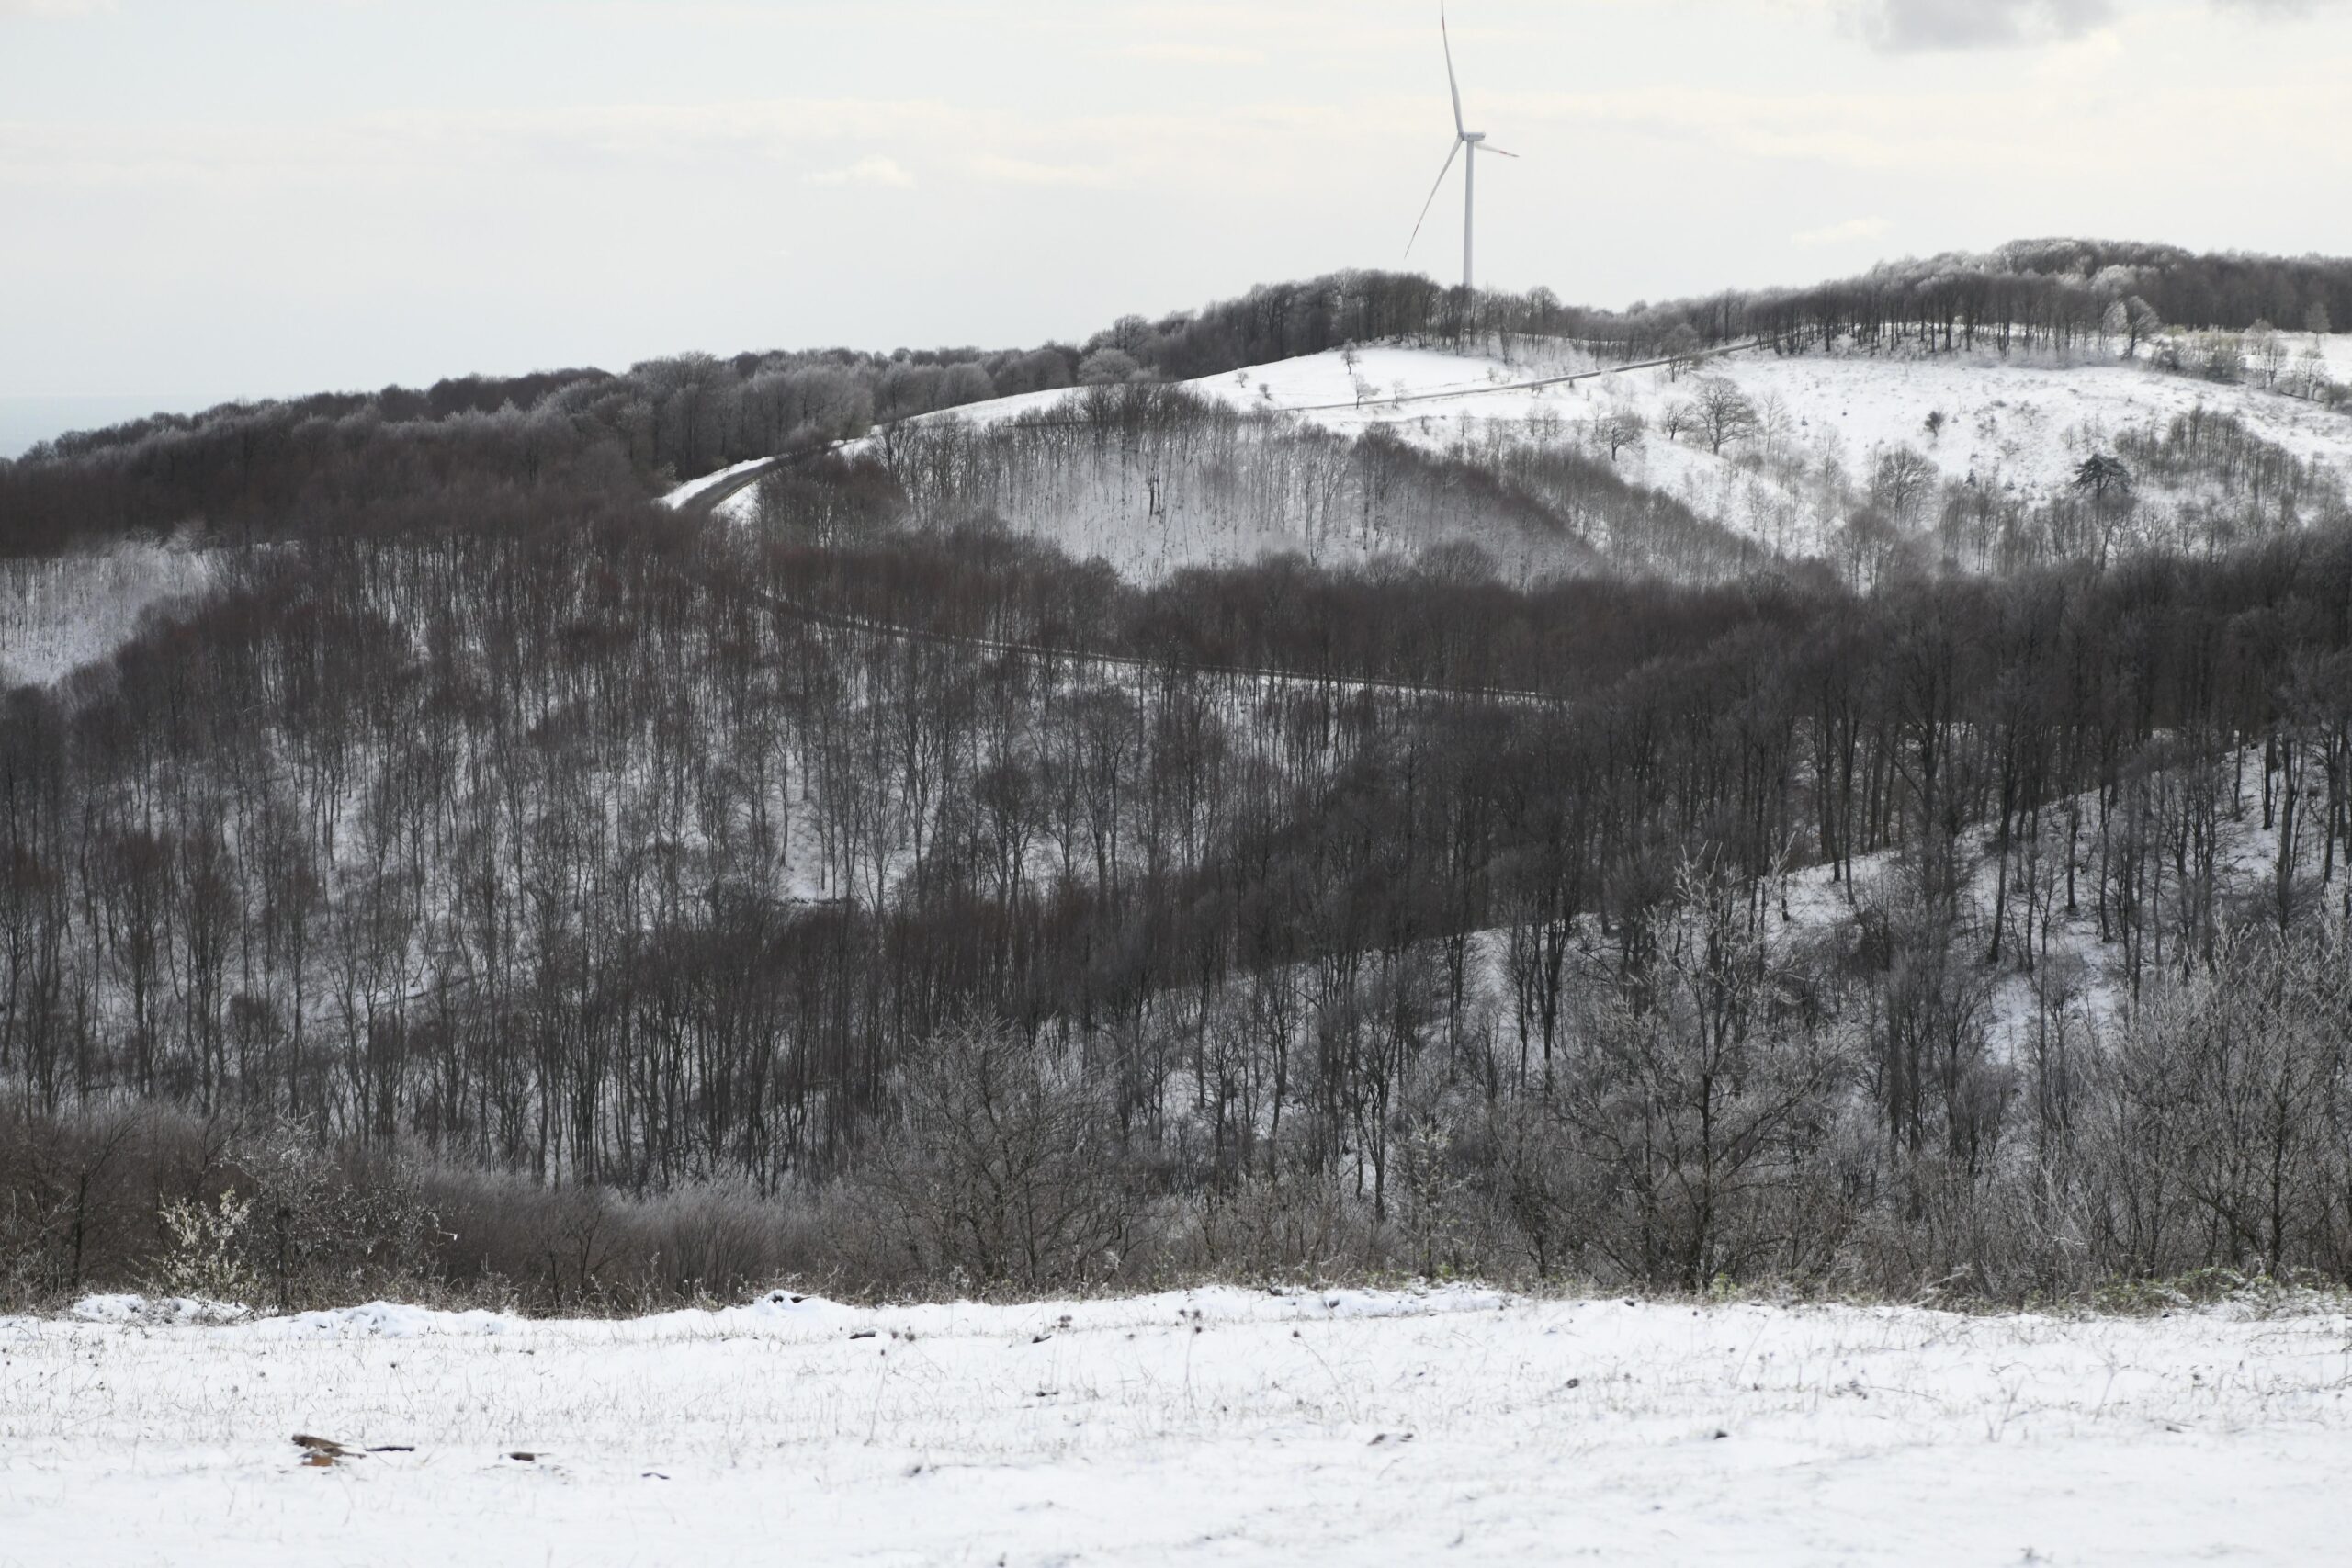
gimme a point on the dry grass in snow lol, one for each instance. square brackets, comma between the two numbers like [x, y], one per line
[1222, 1426]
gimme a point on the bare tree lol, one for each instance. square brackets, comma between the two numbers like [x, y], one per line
[1901, 481]
[1004, 1160]
[1622, 426]
[2134, 321]
[2267, 348]
[1702, 1095]
[1725, 413]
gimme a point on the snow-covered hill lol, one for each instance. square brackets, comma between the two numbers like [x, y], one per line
[2014, 428]
[2005, 421]
[2013, 431]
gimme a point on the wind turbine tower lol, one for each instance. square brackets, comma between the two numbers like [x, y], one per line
[1475, 142]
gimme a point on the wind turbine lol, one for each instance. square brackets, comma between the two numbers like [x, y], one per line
[1472, 139]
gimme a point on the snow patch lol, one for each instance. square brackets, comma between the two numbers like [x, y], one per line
[693, 488]
[60, 612]
[159, 1312]
[382, 1320]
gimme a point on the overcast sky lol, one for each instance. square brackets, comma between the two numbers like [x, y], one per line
[209, 197]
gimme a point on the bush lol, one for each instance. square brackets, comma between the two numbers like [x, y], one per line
[1003, 1164]
[204, 1256]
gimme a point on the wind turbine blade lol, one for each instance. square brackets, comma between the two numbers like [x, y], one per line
[1455, 151]
[1455, 87]
[1490, 147]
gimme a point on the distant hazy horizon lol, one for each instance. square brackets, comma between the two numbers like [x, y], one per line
[227, 192]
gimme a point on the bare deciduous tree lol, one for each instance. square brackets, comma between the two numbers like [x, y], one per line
[1726, 414]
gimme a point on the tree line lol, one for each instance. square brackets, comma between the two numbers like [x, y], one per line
[331, 459]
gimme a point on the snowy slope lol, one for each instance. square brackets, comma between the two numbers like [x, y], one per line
[2014, 426]
[2073, 974]
[1418, 392]
[60, 612]
[1222, 1426]
[2335, 352]
[1442, 386]
[693, 488]
[2022, 423]
[2007, 425]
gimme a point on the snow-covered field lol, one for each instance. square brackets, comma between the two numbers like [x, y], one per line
[2014, 420]
[2018, 424]
[1221, 1426]
[2007, 425]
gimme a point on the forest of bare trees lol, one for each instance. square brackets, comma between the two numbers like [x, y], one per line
[499, 884]
[914, 902]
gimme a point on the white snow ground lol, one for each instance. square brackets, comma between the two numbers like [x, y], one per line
[1222, 1426]
[2018, 425]
[60, 612]
[2017, 419]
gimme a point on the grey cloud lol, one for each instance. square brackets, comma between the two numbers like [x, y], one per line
[1915, 25]
[2276, 7]
[1908, 24]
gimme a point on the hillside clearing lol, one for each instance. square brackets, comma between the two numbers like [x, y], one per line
[2010, 429]
[60, 612]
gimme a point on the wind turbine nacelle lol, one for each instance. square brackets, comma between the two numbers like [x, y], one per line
[1474, 136]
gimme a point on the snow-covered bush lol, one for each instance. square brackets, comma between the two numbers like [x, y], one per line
[205, 1255]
